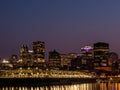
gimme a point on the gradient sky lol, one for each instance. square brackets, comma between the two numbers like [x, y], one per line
[64, 25]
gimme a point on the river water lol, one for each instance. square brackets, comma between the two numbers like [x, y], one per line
[81, 86]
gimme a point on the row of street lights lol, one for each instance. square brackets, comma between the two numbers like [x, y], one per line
[38, 73]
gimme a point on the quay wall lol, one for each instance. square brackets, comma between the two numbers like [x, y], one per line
[43, 81]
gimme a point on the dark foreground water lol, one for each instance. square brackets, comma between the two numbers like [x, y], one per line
[82, 86]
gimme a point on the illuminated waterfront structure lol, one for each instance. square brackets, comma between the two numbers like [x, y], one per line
[5, 64]
[101, 51]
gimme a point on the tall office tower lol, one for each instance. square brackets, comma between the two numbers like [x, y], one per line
[64, 61]
[71, 56]
[87, 52]
[101, 51]
[87, 56]
[13, 60]
[113, 61]
[54, 59]
[31, 59]
[24, 54]
[39, 53]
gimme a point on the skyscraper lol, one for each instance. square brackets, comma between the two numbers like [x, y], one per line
[54, 59]
[87, 52]
[39, 53]
[101, 51]
[87, 57]
[24, 55]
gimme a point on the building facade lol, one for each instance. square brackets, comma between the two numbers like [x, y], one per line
[101, 51]
[87, 57]
[70, 57]
[64, 61]
[39, 53]
[54, 59]
[14, 60]
[24, 55]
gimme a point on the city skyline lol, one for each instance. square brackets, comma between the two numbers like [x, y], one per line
[23, 47]
[64, 25]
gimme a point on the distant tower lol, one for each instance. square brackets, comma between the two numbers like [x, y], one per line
[24, 54]
[13, 60]
[54, 59]
[101, 51]
[87, 58]
[39, 53]
[66, 60]
[71, 56]
[113, 61]
[87, 52]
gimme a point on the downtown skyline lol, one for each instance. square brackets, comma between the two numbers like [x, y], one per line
[46, 53]
[64, 25]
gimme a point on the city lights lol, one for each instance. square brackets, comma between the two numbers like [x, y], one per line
[32, 63]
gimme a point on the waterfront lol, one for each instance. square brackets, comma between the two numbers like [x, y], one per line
[80, 86]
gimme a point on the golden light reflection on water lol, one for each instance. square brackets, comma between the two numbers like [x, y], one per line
[84, 86]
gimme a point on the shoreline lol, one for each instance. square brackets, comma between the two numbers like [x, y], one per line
[43, 81]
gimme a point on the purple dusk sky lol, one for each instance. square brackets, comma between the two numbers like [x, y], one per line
[64, 25]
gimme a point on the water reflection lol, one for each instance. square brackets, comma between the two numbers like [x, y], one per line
[84, 86]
